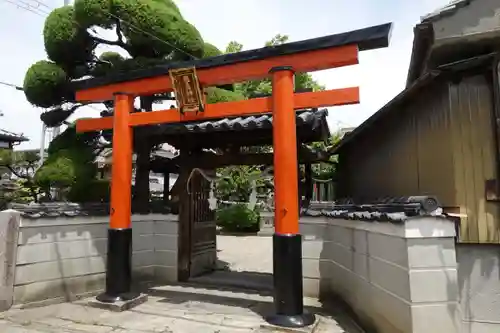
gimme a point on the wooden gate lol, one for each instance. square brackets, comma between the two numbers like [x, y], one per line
[197, 230]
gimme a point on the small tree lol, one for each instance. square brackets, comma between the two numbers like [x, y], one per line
[70, 168]
[264, 86]
[326, 171]
[22, 165]
[58, 175]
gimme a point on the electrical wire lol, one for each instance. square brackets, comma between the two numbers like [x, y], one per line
[36, 6]
[33, 9]
[39, 3]
[26, 7]
[151, 35]
[138, 30]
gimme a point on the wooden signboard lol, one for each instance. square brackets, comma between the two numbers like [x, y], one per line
[187, 89]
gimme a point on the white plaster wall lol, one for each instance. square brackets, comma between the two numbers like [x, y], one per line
[397, 278]
[62, 259]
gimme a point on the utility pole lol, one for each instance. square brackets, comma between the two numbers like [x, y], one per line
[55, 131]
[42, 144]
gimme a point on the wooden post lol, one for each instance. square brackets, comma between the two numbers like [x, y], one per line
[287, 242]
[166, 187]
[308, 183]
[119, 256]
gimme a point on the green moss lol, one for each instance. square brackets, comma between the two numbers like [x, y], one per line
[62, 36]
[44, 84]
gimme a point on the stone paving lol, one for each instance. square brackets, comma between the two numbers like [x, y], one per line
[246, 253]
[169, 309]
[183, 308]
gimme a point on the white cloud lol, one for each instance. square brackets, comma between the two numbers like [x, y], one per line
[381, 74]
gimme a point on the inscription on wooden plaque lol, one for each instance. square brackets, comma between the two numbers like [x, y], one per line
[187, 89]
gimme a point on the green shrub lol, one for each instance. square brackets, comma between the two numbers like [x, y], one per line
[238, 218]
[97, 190]
[44, 84]
[66, 43]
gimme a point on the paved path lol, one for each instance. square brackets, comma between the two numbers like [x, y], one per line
[184, 309]
[246, 253]
[172, 309]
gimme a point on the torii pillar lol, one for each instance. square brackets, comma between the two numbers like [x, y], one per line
[287, 241]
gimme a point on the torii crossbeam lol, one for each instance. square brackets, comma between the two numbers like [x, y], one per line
[279, 63]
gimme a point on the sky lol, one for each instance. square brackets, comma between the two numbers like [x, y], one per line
[381, 74]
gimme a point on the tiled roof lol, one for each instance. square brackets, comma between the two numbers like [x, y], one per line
[449, 9]
[313, 118]
[392, 209]
[68, 209]
[11, 137]
[382, 210]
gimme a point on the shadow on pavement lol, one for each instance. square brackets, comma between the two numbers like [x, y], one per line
[260, 304]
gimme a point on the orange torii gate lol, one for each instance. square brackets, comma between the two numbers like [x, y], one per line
[186, 78]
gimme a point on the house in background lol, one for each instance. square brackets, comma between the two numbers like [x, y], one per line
[156, 181]
[441, 137]
[345, 131]
[9, 139]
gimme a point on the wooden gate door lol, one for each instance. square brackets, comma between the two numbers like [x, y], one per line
[198, 248]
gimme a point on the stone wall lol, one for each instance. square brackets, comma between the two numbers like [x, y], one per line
[397, 277]
[64, 258]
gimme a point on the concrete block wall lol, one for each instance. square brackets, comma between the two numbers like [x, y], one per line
[61, 259]
[398, 278]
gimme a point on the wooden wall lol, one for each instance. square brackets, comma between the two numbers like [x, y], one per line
[474, 158]
[439, 142]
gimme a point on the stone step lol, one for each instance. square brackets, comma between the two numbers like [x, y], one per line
[244, 280]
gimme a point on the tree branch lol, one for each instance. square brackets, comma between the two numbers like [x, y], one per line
[105, 41]
[119, 43]
[17, 174]
[119, 31]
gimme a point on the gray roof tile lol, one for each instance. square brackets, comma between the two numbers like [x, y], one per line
[448, 9]
[304, 117]
[11, 137]
[393, 210]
